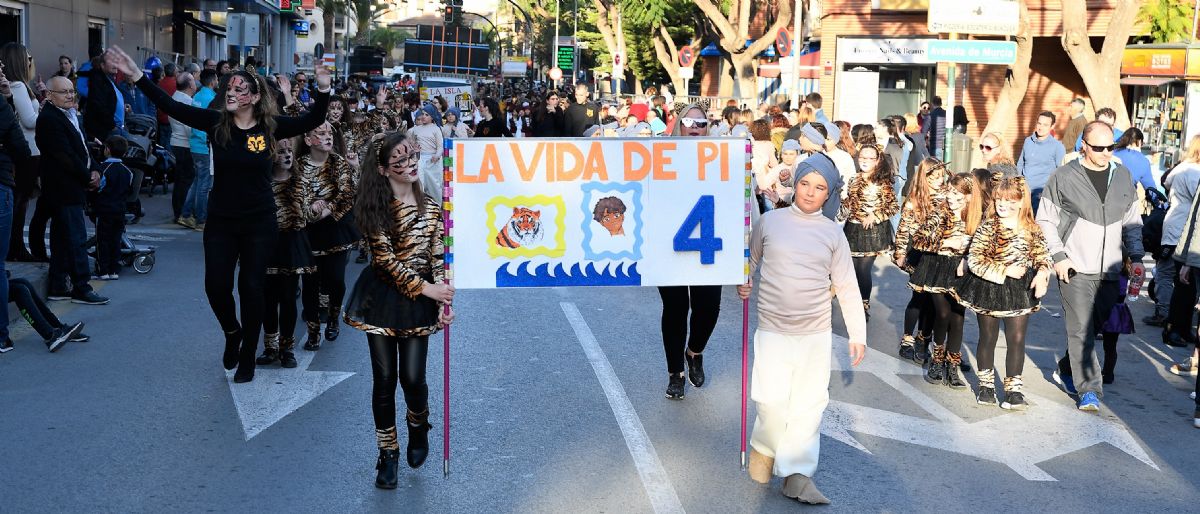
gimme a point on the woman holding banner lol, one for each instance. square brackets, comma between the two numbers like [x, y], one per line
[401, 298]
[703, 302]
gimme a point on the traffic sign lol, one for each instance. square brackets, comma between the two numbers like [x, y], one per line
[783, 42]
[566, 57]
[992, 17]
[973, 51]
[687, 73]
[555, 73]
[687, 57]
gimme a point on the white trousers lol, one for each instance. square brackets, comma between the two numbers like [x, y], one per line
[431, 177]
[790, 387]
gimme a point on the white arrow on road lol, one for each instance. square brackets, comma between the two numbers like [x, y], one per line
[1020, 441]
[276, 392]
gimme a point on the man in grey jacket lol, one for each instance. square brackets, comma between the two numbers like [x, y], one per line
[1090, 217]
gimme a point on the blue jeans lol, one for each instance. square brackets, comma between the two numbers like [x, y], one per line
[6, 219]
[1035, 198]
[68, 255]
[196, 204]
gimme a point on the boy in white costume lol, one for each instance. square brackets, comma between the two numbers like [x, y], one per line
[805, 261]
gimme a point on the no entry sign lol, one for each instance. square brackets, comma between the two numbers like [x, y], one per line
[686, 57]
[783, 42]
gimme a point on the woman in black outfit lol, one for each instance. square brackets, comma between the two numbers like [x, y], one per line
[492, 124]
[549, 118]
[704, 302]
[241, 225]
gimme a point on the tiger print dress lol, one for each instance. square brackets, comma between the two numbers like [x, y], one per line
[948, 240]
[293, 254]
[914, 234]
[334, 183]
[864, 199]
[386, 299]
[987, 289]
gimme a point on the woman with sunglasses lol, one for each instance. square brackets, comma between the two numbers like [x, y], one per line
[17, 65]
[703, 303]
[996, 152]
[241, 228]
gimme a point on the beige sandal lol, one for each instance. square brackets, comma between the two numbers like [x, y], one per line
[1186, 367]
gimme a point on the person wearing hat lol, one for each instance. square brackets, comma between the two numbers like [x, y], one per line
[776, 183]
[805, 261]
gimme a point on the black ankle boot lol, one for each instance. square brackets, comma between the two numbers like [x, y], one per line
[269, 356]
[332, 329]
[246, 364]
[418, 438]
[389, 460]
[287, 358]
[233, 341]
[313, 343]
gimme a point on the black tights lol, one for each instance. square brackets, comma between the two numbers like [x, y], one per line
[862, 272]
[397, 359]
[1014, 335]
[330, 279]
[229, 243]
[948, 322]
[280, 316]
[918, 315]
[704, 303]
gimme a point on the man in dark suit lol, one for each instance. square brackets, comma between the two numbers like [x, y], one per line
[105, 110]
[66, 170]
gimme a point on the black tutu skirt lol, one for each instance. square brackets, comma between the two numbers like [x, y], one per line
[331, 236]
[1010, 299]
[934, 273]
[293, 255]
[869, 242]
[378, 307]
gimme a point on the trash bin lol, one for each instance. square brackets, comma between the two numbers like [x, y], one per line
[961, 147]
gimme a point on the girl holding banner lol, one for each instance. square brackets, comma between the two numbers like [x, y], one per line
[703, 302]
[396, 298]
[805, 259]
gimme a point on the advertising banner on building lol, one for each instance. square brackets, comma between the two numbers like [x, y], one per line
[611, 212]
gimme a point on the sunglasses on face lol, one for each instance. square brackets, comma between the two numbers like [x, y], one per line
[694, 122]
[1101, 149]
[986, 148]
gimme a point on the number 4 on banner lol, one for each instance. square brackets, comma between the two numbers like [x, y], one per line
[707, 244]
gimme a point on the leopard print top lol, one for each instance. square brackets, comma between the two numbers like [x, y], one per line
[293, 201]
[947, 232]
[332, 182]
[865, 198]
[996, 247]
[403, 256]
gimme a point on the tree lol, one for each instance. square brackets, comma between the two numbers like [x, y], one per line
[1169, 21]
[388, 39]
[365, 13]
[610, 25]
[1101, 72]
[733, 30]
[1016, 81]
[667, 21]
[330, 9]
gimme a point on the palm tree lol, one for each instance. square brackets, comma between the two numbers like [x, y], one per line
[365, 13]
[330, 9]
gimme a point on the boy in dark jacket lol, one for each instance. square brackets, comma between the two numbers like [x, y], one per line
[109, 207]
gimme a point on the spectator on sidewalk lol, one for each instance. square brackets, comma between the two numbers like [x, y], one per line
[109, 207]
[13, 149]
[194, 212]
[1074, 128]
[1040, 156]
[185, 170]
[53, 331]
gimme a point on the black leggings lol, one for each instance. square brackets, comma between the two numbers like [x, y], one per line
[42, 211]
[395, 359]
[947, 322]
[35, 311]
[862, 272]
[229, 243]
[704, 303]
[329, 279]
[280, 317]
[1014, 335]
[918, 315]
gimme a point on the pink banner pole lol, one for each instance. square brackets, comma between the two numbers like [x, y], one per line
[448, 261]
[746, 304]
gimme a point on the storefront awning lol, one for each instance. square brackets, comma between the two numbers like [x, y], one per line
[1145, 81]
[201, 25]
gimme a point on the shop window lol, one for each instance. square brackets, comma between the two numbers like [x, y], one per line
[12, 23]
[96, 28]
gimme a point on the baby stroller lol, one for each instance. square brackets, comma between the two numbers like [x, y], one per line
[141, 258]
[146, 158]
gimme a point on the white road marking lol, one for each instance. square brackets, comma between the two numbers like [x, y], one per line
[654, 478]
[1019, 441]
[276, 392]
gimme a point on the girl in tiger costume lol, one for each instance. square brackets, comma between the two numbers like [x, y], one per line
[401, 298]
[331, 234]
[869, 205]
[952, 221]
[912, 242]
[292, 258]
[1009, 271]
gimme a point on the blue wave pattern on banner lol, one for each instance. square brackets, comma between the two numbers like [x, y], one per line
[587, 276]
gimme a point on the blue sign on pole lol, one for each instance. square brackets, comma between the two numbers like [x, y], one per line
[973, 52]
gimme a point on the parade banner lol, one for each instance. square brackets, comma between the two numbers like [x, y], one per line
[598, 212]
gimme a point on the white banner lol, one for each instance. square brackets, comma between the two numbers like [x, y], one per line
[598, 212]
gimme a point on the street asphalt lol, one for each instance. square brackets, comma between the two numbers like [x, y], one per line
[557, 405]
